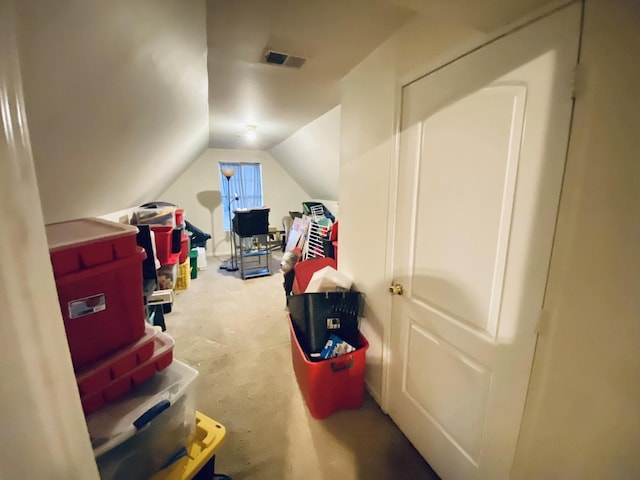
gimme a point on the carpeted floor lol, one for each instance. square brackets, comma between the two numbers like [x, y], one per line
[236, 334]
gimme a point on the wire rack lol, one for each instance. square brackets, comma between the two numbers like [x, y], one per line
[314, 246]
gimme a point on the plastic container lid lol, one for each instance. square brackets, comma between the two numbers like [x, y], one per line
[328, 279]
[119, 421]
[96, 391]
[84, 231]
[107, 367]
[209, 436]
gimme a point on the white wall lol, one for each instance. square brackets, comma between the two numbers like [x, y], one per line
[369, 100]
[117, 100]
[121, 216]
[44, 433]
[583, 410]
[312, 156]
[197, 191]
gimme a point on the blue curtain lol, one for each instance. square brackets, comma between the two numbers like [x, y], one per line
[244, 188]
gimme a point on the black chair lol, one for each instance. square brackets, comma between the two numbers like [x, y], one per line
[198, 237]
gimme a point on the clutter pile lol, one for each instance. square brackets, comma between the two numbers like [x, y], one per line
[314, 232]
[139, 402]
[327, 348]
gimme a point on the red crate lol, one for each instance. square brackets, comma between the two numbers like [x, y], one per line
[102, 308]
[179, 217]
[330, 385]
[87, 242]
[305, 269]
[163, 241]
[184, 249]
[161, 358]
[96, 376]
[335, 252]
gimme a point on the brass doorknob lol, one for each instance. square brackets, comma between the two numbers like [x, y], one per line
[396, 289]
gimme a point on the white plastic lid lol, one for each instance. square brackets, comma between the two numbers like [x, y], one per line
[328, 279]
[114, 424]
[84, 231]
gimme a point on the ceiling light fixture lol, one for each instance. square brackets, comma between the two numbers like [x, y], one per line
[251, 132]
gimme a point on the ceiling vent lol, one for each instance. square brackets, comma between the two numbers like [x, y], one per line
[282, 59]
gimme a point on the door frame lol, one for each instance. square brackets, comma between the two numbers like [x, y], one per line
[41, 404]
[404, 80]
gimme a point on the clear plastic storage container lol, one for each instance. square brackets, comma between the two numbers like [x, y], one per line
[135, 436]
[163, 215]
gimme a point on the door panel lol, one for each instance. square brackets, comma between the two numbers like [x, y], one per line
[482, 149]
[449, 386]
[460, 197]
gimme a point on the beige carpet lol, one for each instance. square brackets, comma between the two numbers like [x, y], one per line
[236, 334]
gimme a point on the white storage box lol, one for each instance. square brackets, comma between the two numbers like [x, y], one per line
[328, 279]
[134, 437]
[202, 258]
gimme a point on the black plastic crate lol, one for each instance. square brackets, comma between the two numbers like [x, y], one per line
[250, 222]
[176, 240]
[317, 315]
[143, 239]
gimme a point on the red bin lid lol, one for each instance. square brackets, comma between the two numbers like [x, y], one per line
[84, 231]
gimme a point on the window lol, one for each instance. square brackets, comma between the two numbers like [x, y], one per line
[244, 188]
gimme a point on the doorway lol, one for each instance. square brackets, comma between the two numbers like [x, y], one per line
[482, 149]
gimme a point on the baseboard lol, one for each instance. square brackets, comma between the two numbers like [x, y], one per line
[374, 394]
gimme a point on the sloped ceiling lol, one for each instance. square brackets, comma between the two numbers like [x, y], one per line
[486, 15]
[333, 36]
[116, 99]
[312, 156]
[122, 96]
[295, 110]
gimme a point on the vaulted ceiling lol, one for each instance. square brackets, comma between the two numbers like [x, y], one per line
[123, 96]
[332, 35]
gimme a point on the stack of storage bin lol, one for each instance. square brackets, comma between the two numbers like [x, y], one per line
[327, 384]
[167, 236]
[138, 400]
[184, 265]
[98, 271]
[143, 432]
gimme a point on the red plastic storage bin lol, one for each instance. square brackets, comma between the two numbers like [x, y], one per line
[179, 217]
[102, 308]
[330, 385]
[117, 387]
[95, 376]
[305, 269]
[334, 232]
[335, 252]
[163, 241]
[87, 242]
[184, 249]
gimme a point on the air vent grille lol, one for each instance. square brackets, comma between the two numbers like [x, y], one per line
[282, 59]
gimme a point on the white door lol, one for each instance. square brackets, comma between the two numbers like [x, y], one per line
[482, 149]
